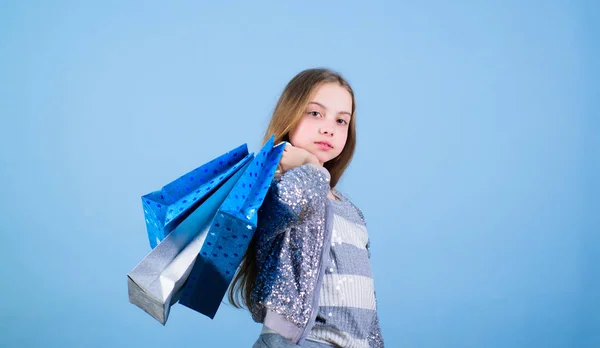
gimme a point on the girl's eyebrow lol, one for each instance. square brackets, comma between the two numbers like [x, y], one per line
[323, 106]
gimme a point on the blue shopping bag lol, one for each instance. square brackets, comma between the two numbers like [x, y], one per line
[165, 209]
[230, 234]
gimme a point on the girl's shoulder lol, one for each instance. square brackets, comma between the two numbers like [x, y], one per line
[345, 200]
[342, 196]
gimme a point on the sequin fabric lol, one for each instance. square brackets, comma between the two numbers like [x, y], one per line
[375, 339]
[289, 242]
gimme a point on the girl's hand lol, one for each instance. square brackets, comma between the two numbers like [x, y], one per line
[294, 156]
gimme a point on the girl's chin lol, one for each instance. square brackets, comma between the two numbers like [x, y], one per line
[322, 159]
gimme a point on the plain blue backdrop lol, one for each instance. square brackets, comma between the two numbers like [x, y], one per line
[477, 164]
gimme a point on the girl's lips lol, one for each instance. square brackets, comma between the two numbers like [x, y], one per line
[323, 146]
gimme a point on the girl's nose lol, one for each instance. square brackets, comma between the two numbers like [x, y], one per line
[326, 131]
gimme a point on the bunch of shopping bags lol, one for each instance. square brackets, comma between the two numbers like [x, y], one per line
[199, 227]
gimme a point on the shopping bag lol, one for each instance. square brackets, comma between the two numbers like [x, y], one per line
[166, 208]
[154, 284]
[230, 234]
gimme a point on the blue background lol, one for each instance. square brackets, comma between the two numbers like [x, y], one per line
[477, 164]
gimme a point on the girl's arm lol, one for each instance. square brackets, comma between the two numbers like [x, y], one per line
[288, 205]
[375, 338]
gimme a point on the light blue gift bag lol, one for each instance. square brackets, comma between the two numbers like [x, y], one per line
[165, 209]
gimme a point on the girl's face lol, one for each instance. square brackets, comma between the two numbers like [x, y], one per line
[323, 129]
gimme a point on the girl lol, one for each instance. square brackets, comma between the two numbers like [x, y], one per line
[306, 275]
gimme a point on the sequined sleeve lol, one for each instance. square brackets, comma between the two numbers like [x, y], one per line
[302, 188]
[288, 240]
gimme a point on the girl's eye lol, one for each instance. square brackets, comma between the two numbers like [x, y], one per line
[314, 113]
[343, 122]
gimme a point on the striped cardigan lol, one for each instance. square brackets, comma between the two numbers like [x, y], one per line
[347, 305]
[293, 243]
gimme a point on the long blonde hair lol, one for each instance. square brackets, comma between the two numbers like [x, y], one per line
[287, 114]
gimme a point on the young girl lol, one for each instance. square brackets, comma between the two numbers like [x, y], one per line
[306, 275]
